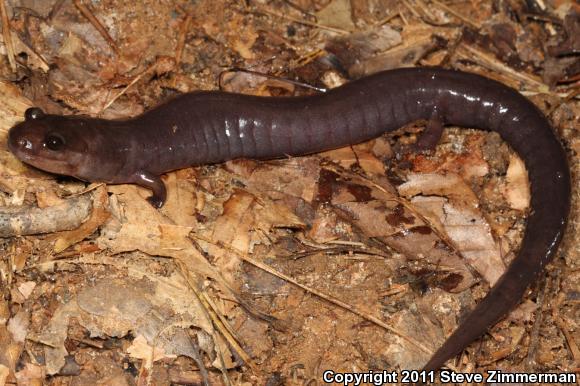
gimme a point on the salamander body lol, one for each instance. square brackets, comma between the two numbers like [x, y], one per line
[212, 127]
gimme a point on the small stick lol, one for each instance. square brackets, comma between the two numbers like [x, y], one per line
[55, 9]
[488, 61]
[331, 299]
[268, 76]
[97, 24]
[308, 23]
[124, 90]
[7, 35]
[184, 28]
[458, 15]
[412, 9]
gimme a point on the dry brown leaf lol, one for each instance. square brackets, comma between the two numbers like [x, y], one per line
[146, 304]
[517, 189]
[118, 378]
[11, 351]
[524, 312]
[143, 228]
[47, 198]
[98, 216]
[360, 155]
[181, 198]
[54, 336]
[403, 354]
[18, 179]
[356, 50]
[26, 288]
[18, 326]
[277, 179]
[378, 213]
[242, 37]
[30, 375]
[470, 163]
[417, 41]
[244, 221]
[140, 349]
[12, 107]
[516, 333]
[454, 210]
[154, 308]
[338, 14]
[4, 373]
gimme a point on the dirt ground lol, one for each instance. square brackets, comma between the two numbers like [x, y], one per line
[270, 272]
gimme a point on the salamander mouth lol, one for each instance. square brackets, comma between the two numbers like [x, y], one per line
[43, 163]
[25, 150]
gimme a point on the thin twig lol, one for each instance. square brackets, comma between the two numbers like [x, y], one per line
[97, 24]
[331, 299]
[124, 90]
[458, 15]
[218, 321]
[487, 60]
[535, 334]
[213, 315]
[55, 9]
[557, 305]
[411, 8]
[7, 36]
[268, 76]
[183, 30]
[296, 20]
[387, 19]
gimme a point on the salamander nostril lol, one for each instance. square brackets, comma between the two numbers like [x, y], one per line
[23, 143]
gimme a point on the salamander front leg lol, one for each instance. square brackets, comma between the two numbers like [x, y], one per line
[155, 184]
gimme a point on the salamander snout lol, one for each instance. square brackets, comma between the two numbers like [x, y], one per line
[48, 142]
[18, 144]
[26, 138]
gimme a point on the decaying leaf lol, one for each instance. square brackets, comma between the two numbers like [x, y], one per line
[245, 222]
[140, 349]
[18, 326]
[337, 13]
[26, 288]
[516, 190]
[356, 49]
[153, 310]
[334, 222]
[98, 216]
[143, 228]
[379, 213]
[4, 373]
[12, 107]
[448, 202]
[31, 374]
[181, 204]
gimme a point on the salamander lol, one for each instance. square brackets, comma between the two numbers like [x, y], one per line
[213, 126]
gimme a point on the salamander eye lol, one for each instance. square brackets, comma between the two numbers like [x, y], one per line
[33, 113]
[54, 142]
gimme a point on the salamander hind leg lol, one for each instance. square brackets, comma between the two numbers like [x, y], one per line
[431, 135]
[154, 183]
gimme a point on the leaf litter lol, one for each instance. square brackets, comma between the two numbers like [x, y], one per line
[364, 257]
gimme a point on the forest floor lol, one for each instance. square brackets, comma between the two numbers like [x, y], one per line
[270, 272]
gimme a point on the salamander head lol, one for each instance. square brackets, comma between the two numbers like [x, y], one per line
[49, 142]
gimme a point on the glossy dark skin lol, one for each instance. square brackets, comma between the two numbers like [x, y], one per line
[211, 127]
